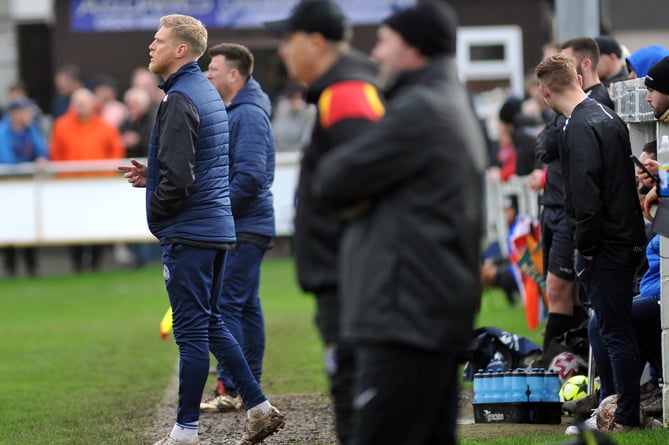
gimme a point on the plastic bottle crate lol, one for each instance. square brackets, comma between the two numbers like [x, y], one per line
[518, 412]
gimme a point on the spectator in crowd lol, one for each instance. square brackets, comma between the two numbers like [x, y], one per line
[520, 131]
[584, 51]
[607, 224]
[550, 49]
[136, 133]
[293, 119]
[111, 109]
[251, 177]
[18, 91]
[640, 61]
[315, 49]
[136, 128]
[611, 66]
[496, 270]
[145, 79]
[21, 141]
[188, 210]
[82, 135]
[657, 83]
[412, 200]
[67, 80]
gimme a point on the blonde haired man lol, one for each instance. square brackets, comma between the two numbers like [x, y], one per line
[188, 210]
[605, 217]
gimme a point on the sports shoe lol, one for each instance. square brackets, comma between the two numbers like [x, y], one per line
[620, 428]
[169, 440]
[582, 406]
[590, 424]
[256, 429]
[222, 403]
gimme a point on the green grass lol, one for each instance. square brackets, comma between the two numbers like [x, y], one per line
[81, 359]
[649, 437]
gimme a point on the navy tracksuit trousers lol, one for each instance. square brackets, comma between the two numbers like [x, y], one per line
[194, 282]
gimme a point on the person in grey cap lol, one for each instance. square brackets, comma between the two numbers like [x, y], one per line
[411, 187]
[316, 51]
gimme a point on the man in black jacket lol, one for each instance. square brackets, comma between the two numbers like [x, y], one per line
[316, 51]
[605, 215]
[565, 311]
[411, 187]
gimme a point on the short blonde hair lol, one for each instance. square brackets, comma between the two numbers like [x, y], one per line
[557, 73]
[189, 30]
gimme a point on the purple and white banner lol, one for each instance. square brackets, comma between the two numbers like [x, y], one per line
[142, 15]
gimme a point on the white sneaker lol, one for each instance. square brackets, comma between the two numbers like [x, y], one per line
[169, 440]
[590, 424]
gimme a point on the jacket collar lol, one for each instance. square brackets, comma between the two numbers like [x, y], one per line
[190, 67]
[437, 68]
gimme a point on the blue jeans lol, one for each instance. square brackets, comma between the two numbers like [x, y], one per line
[241, 309]
[608, 281]
[194, 282]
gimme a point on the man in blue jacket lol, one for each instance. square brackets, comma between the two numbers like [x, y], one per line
[188, 210]
[251, 177]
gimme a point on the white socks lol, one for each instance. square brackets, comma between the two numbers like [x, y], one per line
[185, 432]
[259, 410]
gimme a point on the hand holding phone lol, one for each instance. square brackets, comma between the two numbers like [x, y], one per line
[653, 177]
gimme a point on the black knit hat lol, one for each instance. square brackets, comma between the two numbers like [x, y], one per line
[658, 76]
[323, 17]
[429, 27]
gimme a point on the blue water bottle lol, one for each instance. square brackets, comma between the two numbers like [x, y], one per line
[495, 387]
[519, 386]
[551, 386]
[535, 380]
[478, 384]
[506, 387]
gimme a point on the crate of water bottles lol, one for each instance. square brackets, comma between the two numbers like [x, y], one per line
[517, 396]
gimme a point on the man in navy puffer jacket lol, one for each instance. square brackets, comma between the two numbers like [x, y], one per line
[188, 210]
[251, 177]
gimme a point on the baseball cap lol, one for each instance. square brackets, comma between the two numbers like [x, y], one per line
[324, 17]
[16, 104]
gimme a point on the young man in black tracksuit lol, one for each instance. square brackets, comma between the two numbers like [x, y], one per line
[605, 216]
[565, 310]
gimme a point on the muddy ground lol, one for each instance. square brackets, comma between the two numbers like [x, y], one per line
[309, 421]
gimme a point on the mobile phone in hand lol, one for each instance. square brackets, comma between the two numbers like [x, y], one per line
[645, 169]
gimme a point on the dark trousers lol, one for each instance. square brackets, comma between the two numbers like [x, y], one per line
[86, 255]
[29, 253]
[608, 282]
[404, 396]
[648, 331]
[339, 363]
[241, 309]
[194, 282]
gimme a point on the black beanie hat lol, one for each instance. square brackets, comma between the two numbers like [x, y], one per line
[658, 76]
[429, 27]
